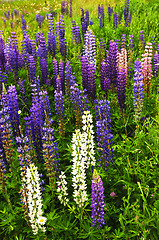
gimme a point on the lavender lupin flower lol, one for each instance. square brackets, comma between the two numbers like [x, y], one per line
[138, 90]
[97, 198]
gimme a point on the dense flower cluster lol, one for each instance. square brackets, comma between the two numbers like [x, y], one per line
[88, 132]
[97, 198]
[78, 169]
[62, 189]
[104, 136]
[31, 184]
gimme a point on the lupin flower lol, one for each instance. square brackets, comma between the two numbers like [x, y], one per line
[78, 169]
[91, 85]
[105, 82]
[101, 16]
[156, 64]
[32, 68]
[45, 74]
[69, 79]
[88, 132]
[90, 47]
[36, 122]
[2, 168]
[70, 8]
[13, 109]
[59, 105]
[50, 151]
[51, 43]
[62, 189]
[97, 198]
[141, 40]
[39, 19]
[104, 136]
[79, 101]
[147, 67]
[110, 11]
[22, 91]
[2, 55]
[5, 127]
[121, 88]
[138, 90]
[31, 183]
[55, 72]
[84, 69]
[113, 64]
[3, 79]
[76, 36]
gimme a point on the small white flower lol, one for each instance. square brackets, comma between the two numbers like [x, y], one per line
[41, 220]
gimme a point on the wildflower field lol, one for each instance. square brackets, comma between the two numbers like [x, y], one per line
[79, 120]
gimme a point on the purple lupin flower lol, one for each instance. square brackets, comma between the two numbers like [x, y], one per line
[156, 64]
[80, 103]
[104, 136]
[39, 19]
[22, 91]
[97, 198]
[5, 129]
[70, 8]
[2, 56]
[44, 70]
[61, 74]
[110, 11]
[42, 50]
[84, 68]
[101, 16]
[138, 90]
[59, 105]
[126, 10]
[113, 63]
[63, 7]
[2, 168]
[13, 109]
[69, 79]
[121, 88]
[105, 82]
[76, 36]
[3, 79]
[36, 122]
[51, 44]
[55, 72]
[23, 23]
[44, 100]
[91, 85]
[32, 68]
[50, 152]
[141, 40]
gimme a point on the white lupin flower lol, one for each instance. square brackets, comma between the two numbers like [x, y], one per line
[62, 189]
[33, 199]
[78, 169]
[88, 147]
